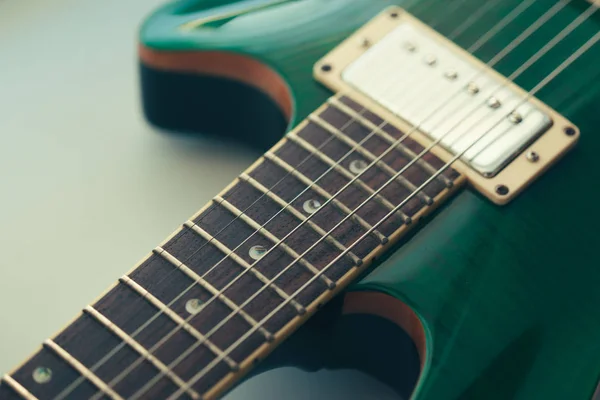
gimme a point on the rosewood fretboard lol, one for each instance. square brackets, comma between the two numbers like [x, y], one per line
[199, 310]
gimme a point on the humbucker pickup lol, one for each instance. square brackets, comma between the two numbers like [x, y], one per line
[497, 134]
[426, 84]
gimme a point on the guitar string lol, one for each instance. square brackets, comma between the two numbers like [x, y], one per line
[449, 9]
[419, 7]
[69, 389]
[583, 49]
[473, 18]
[490, 35]
[150, 384]
[510, 17]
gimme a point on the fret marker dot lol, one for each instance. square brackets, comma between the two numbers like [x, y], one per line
[311, 206]
[358, 166]
[42, 375]
[193, 306]
[257, 252]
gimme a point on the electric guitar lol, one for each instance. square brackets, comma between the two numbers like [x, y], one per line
[412, 215]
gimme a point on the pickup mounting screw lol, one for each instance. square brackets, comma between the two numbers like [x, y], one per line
[365, 43]
[502, 190]
[570, 131]
[326, 67]
[532, 156]
[394, 15]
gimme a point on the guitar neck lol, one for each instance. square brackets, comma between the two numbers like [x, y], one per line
[250, 267]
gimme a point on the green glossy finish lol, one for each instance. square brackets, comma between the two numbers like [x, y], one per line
[509, 296]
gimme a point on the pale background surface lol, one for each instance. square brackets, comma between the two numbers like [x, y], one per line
[87, 187]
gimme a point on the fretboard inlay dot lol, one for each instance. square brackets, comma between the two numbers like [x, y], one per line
[311, 206]
[194, 306]
[42, 375]
[257, 252]
[358, 166]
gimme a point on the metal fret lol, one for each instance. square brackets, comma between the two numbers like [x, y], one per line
[370, 156]
[17, 387]
[328, 238]
[141, 350]
[322, 192]
[380, 199]
[84, 371]
[387, 137]
[238, 213]
[206, 285]
[190, 224]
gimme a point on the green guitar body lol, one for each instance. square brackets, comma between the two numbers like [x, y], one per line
[508, 296]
